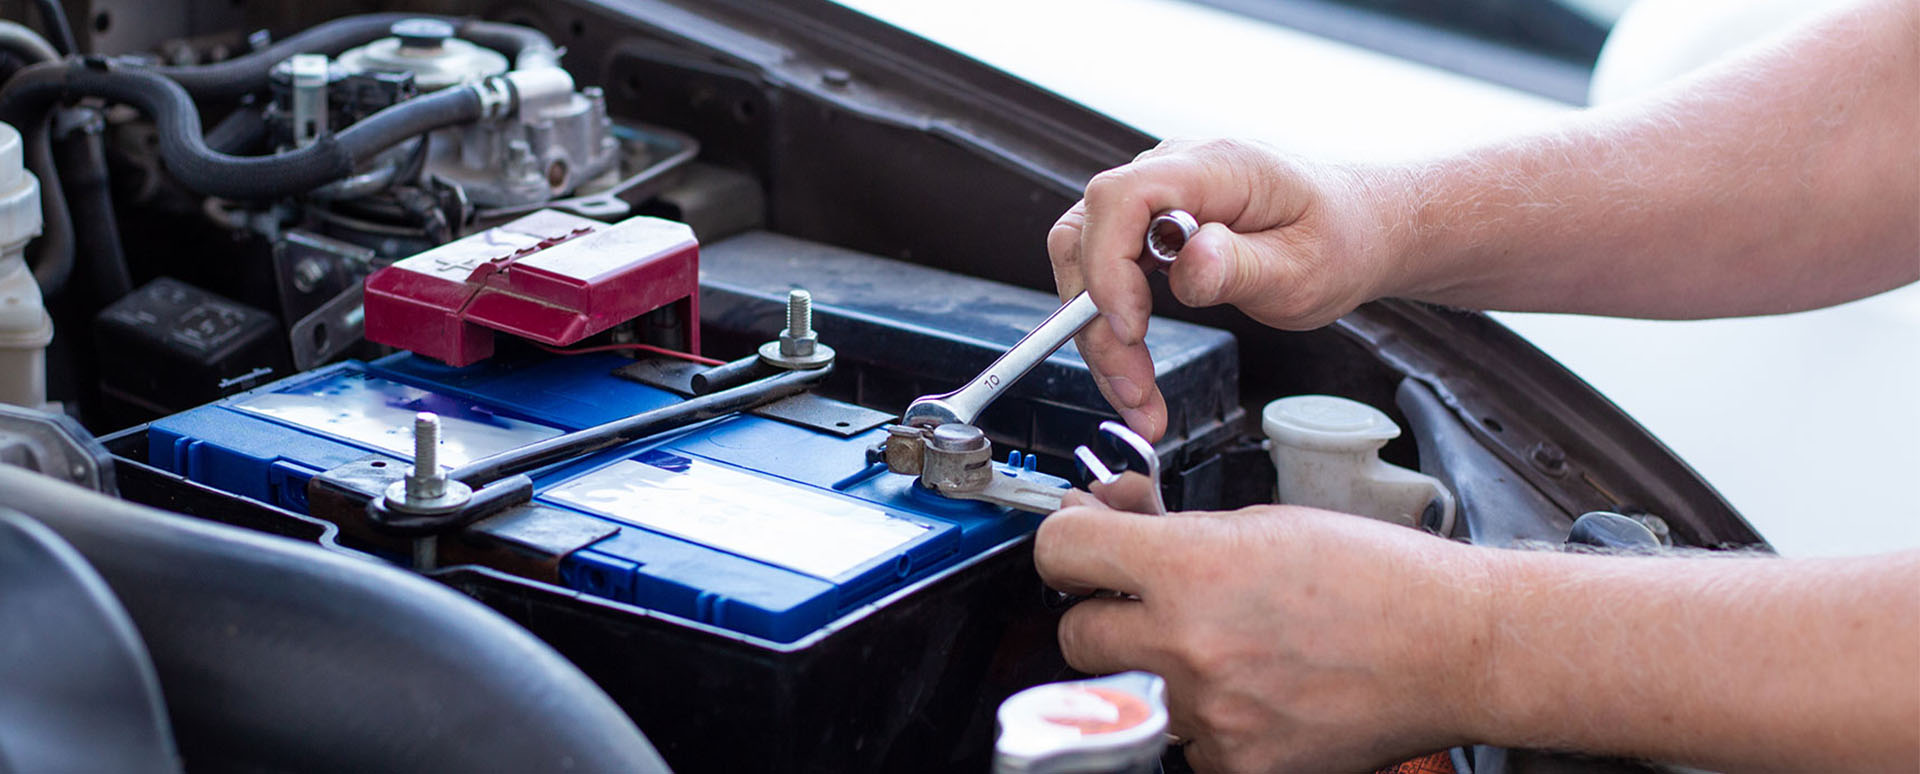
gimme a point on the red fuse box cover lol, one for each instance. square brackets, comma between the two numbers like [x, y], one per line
[550, 277]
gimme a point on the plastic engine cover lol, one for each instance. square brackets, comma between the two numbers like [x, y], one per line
[750, 524]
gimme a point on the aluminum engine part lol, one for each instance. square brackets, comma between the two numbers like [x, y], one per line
[56, 445]
[552, 142]
[556, 140]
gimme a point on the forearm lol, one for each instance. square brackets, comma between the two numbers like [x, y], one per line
[1745, 664]
[1787, 179]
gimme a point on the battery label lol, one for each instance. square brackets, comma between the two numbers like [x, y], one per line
[378, 412]
[780, 524]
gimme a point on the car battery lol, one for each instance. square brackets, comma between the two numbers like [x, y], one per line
[755, 525]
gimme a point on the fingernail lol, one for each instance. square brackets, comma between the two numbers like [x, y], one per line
[1125, 391]
[1136, 419]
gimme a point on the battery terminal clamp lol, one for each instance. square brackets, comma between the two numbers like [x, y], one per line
[956, 460]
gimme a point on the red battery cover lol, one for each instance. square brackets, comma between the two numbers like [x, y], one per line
[549, 277]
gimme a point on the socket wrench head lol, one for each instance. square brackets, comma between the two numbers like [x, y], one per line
[1167, 234]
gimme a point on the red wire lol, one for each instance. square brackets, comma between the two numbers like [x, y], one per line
[630, 347]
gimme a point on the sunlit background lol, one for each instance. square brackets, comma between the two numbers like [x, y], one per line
[1808, 423]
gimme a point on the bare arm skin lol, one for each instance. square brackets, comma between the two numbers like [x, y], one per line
[1785, 178]
[1295, 639]
[1301, 640]
[1781, 180]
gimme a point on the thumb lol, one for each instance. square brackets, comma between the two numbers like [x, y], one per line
[1218, 266]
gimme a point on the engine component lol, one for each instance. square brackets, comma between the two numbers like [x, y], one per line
[183, 147]
[25, 327]
[247, 74]
[1165, 236]
[754, 525]
[175, 346]
[1109, 725]
[557, 140]
[56, 446]
[313, 95]
[550, 277]
[1325, 451]
[426, 49]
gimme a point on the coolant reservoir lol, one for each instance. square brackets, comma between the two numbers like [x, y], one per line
[1326, 453]
[25, 328]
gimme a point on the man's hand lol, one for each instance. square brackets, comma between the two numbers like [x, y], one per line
[1290, 638]
[1302, 640]
[1292, 244]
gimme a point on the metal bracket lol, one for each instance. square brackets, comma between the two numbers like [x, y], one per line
[338, 324]
[55, 445]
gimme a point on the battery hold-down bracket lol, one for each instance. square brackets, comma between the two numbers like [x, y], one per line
[549, 277]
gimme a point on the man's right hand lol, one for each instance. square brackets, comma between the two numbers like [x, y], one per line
[1292, 244]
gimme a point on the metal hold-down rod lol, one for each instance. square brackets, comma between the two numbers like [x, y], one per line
[535, 455]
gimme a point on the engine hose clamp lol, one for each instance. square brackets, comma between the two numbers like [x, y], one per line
[496, 97]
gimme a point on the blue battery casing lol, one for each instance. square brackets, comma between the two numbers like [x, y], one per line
[750, 524]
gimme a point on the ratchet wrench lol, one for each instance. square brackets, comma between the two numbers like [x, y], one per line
[1166, 235]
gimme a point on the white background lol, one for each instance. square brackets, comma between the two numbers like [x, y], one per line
[1808, 423]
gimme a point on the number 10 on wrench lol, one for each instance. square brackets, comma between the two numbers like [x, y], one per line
[1166, 235]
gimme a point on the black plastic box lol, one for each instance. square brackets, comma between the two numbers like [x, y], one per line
[173, 346]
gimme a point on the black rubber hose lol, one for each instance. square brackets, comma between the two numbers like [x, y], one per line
[51, 255]
[247, 74]
[184, 150]
[412, 118]
[59, 30]
[275, 655]
[21, 41]
[240, 133]
[81, 157]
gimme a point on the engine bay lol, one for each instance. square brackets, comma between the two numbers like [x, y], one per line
[607, 314]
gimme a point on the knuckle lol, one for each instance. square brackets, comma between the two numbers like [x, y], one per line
[1064, 235]
[1108, 186]
[1225, 146]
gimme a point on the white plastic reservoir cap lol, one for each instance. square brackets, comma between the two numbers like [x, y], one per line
[19, 191]
[1326, 423]
[1116, 723]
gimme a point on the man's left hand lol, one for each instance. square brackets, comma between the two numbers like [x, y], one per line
[1290, 638]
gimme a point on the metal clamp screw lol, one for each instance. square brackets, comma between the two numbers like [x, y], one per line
[798, 345]
[427, 489]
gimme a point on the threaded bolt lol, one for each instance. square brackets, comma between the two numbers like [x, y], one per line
[799, 313]
[424, 482]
